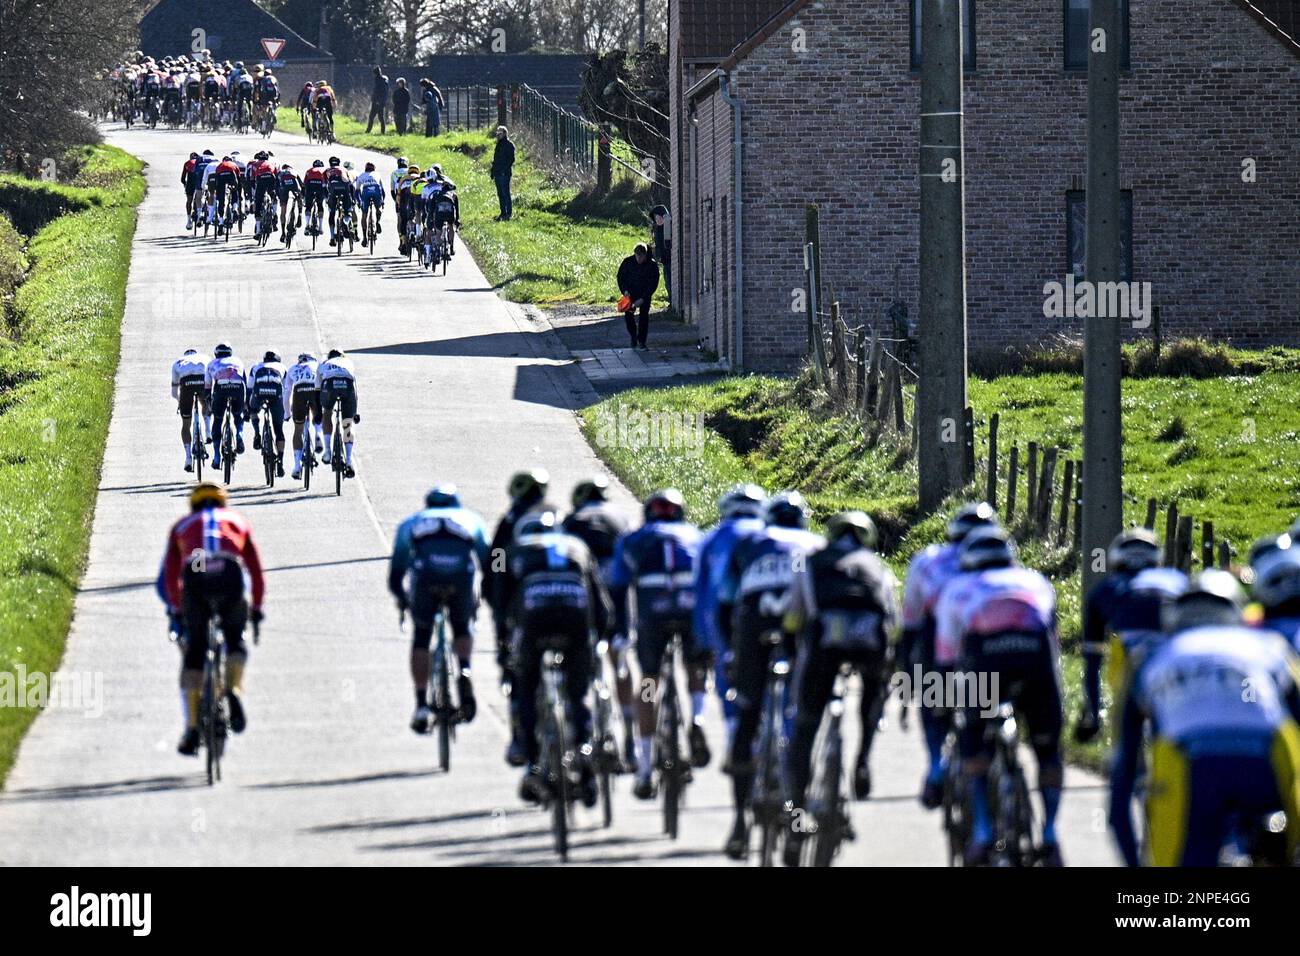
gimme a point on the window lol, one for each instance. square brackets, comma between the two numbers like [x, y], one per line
[967, 30]
[1076, 34]
[1076, 234]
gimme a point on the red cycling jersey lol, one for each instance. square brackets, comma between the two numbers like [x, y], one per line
[212, 530]
[314, 175]
[226, 166]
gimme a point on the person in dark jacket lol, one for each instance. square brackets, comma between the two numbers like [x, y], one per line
[401, 105]
[503, 168]
[431, 99]
[638, 278]
[379, 102]
[663, 236]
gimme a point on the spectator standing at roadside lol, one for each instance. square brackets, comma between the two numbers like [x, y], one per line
[431, 99]
[663, 235]
[503, 168]
[379, 102]
[401, 105]
[638, 278]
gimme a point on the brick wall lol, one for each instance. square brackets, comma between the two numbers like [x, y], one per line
[837, 125]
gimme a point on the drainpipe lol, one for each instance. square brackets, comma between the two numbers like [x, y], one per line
[738, 207]
[691, 285]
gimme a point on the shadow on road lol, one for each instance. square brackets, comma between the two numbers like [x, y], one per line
[346, 781]
[464, 816]
[115, 788]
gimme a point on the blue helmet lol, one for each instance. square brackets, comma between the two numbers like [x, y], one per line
[445, 495]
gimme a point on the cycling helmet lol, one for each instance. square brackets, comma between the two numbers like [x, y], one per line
[412, 170]
[234, 152]
[532, 481]
[370, 167]
[271, 357]
[207, 152]
[968, 518]
[987, 547]
[536, 522]
[222, 351]
[665, 505]
[347, 164]
[1275, 567]
[333, 354]
[1214, 598]
[402, 162]
[742, 500]
[194, 155]
[317, 164]
[207, 495]
[225, 159]
[445, 495]
[239, 64]
[306, 357]
[589, 490]
[286, 168]
[1133, 550]
[436, 169]
[788, 509]
[190, 352]
[334, 160]
[855, 523]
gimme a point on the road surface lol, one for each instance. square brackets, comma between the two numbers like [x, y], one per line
[454, 385]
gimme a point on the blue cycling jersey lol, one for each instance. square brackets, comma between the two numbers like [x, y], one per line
[711, 564]
[658, 560]
[438, 542]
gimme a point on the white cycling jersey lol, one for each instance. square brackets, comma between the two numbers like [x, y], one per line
[264, 375]
[335, 368]
[224, 371]
[301, 375]
[188, 366]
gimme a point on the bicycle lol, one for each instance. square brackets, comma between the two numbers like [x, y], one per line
[292, 211]
[604, 753]
[337, 461]
[674, 768]
[346, 230]
[266, 222]
[412, 238]
[956, 807]
[769, 798]
[198, 447]
[227, 444]
[368, 228]
[308, 455]
[559, 759]
[324, 128]
[313, 222]
[270, 460]
[445, 714]
[439, 249]
[828, 801]
[214, 711]
[267, 124]
[1013, 816]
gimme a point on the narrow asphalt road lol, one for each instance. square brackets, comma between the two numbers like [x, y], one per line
[454, 385]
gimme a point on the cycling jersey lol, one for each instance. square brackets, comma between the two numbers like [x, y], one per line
[995, 603]
[300, 376]
[1134, 619]
[335, 370]
[712, 614]
[658, 561]
[398, 175]
[214, 534]
[288, 182]
[927, 575]
[267, 379]
[189, 373]
[224, 372]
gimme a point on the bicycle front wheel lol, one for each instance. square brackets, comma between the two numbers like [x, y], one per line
[560, 780]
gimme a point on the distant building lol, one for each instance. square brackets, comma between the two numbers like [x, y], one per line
[233, 30]
[828, 99]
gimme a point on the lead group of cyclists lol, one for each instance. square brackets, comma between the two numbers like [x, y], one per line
[193, 91]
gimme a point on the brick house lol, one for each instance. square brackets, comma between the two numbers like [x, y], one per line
[828, 94]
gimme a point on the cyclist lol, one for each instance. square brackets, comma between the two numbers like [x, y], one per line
[209, 553]
[406, 206]
[304, 102]
[313, 196]
[267, 94]
[927, 574]
[242, 83]
[1275, 561]
[442, 550]
[397, 176]
[339, 186]
[758, 582]
[599, 525]
[844, 607]
[322, 99]
[369, 192]
[225, 181]
[1124, 608]
[193, 90]
[265, 178]
[289, 188]
[999, 618]
[188, 376]
[194, 177]
[740, 513]
[336, 379]
[527, 490]
[266, 387]
[301, 400]
[554, 593]
[224, 381]
[1223, 708]
[657, 563]
[444, 205]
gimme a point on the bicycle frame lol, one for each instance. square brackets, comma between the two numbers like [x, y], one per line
[213, 719]
[674, 772]
[829, 805]
[558, 757]
[769, 794]
[198, 448]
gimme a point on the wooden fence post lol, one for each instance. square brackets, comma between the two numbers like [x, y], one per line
[1171, 535]
[1225, 555]
[1150, 523]
[1207, 545]
[860, 368]
[1078, 505]
[1067, 492]
[1013, 473]
[992, 495]
[900, 421]
[1184, 546]
[871, 395]
[1046, 490]
[1031, 499]
[838, 367]
[968, 443]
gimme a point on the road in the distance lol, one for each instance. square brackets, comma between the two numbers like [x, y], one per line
[453, 385]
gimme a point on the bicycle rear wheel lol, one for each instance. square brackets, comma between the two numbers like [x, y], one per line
[306, 473]
[442, 703]
[208, 721]
[559, 774]
[830, 803]
[670, 758]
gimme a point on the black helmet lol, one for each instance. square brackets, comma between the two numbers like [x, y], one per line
[222, 351]
[987, 547]
[789, 509]
[306, 357]
[1275, 565]
[530, 481]
[333, 354]
[969, 518]
[742, 500]
[595, 488]
[334, 160]
[445, 495]
[536, 522]
[1133, 550]
[665, 505]
[271, 357]
[402, 162]
[855, 523]
[1213, 598]
[317, 164]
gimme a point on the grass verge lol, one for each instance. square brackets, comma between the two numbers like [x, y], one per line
[561, 247]
[1221, 447]
[58, 358]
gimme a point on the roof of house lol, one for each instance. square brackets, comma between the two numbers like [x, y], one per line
[234, 30]
[1281, 17]
[711, 29]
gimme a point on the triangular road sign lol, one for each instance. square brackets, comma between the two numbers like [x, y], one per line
[272, 48]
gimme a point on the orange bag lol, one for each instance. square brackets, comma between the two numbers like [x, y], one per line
[624, 303]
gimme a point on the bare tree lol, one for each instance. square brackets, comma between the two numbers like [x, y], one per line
[50, 55]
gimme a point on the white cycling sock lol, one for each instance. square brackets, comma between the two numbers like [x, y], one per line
[297, 458]
[697, 706]
[347, 448]
[643, 757]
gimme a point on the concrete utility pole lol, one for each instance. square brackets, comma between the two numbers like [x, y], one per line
[640, 11]
[1103, 506]
[941, 393]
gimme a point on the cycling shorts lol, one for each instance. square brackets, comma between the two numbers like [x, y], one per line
[190, 387]
[305, 400]
[343, 390]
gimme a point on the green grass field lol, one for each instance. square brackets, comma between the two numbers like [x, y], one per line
[58, 358]
[561, 246]
[1220, 447]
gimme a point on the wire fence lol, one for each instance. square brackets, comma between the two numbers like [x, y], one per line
[465, 108]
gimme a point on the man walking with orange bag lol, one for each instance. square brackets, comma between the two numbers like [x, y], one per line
[638, 278]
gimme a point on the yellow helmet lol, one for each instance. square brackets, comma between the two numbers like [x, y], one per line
[207, 495]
